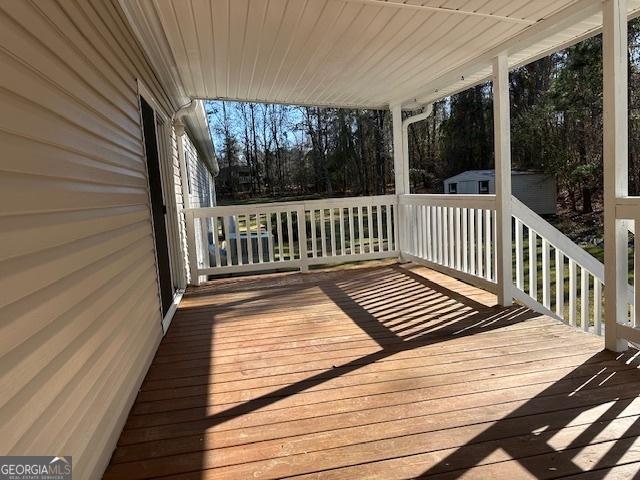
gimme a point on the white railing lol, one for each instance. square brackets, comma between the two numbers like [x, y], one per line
[259, 237]
[453, 232]
[628, 209]
[554, 273]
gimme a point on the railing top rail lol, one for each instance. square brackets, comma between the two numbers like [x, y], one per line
[291, 206]
[556, 238]
[628, 208]
[450, 200]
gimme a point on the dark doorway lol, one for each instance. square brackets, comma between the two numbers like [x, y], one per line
[157, 205]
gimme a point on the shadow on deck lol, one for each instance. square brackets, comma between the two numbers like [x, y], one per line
[377, 372]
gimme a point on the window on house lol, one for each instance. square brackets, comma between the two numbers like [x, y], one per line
[484, 186]
[453, 188]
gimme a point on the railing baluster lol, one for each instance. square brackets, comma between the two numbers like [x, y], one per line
[323, 234]
[239, 260]
[420, 231]
[426, 231]
[280, 239]
[332, 229]
[533, 265]
[636, 274]
[216, 241]
[597, 305]
[452, 238]
[352, 242]
[479, 243]
[360, 231]
[559, 283]
[472, 241]
[247, 226]
[379, 227]
[519, 256]
[440, 235]
[395, 214]
[290, 236]
[494, 244]
[342, 251]
[259, 237]
[458, 228]
[572, 292]
[429, 232]
[546, 296]
[412, 225]
[314, 240]
[227, 241]
[464, 216]
[488, 244]
[369, 228]
[303, 251]
[270, 238]
[387, 211]
[584, 299]
[445, 235]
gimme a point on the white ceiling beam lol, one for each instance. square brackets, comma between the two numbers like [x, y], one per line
[428, 8]
[575, 13]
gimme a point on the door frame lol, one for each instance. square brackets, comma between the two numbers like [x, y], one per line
[164, 135]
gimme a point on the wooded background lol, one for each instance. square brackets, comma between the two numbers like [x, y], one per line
[277, 151]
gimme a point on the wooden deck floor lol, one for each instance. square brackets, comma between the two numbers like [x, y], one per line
[382, 372]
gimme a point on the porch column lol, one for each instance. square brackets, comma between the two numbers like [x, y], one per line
[401, 174]
[502, 146]
[400, 161]
[616, 167]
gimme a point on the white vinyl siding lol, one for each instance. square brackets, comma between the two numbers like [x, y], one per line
[79, 312]
[201, 191]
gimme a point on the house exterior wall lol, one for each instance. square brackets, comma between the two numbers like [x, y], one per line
[80, 309]
[201, 183]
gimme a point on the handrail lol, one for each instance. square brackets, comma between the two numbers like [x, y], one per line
[444, 200]
[284, 206]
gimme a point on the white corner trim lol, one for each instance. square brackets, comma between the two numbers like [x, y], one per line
[166, 321]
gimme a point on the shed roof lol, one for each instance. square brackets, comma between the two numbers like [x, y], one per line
[349, 53]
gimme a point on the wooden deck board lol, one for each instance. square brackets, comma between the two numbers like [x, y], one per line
[377, 372]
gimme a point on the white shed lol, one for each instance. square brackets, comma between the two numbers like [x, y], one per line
[535, 189]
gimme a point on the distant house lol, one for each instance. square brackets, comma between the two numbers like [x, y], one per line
[241, 172]
[536, 190]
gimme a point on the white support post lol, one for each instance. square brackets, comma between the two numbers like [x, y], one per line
[616, 166]
[400, 162]
[191, 247]
[302, 237]
[401, 171]
[502, 142]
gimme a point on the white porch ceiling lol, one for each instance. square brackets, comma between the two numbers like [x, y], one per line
[348, 53]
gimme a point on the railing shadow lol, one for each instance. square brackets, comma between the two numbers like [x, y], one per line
[457, 316]
[600, 415]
